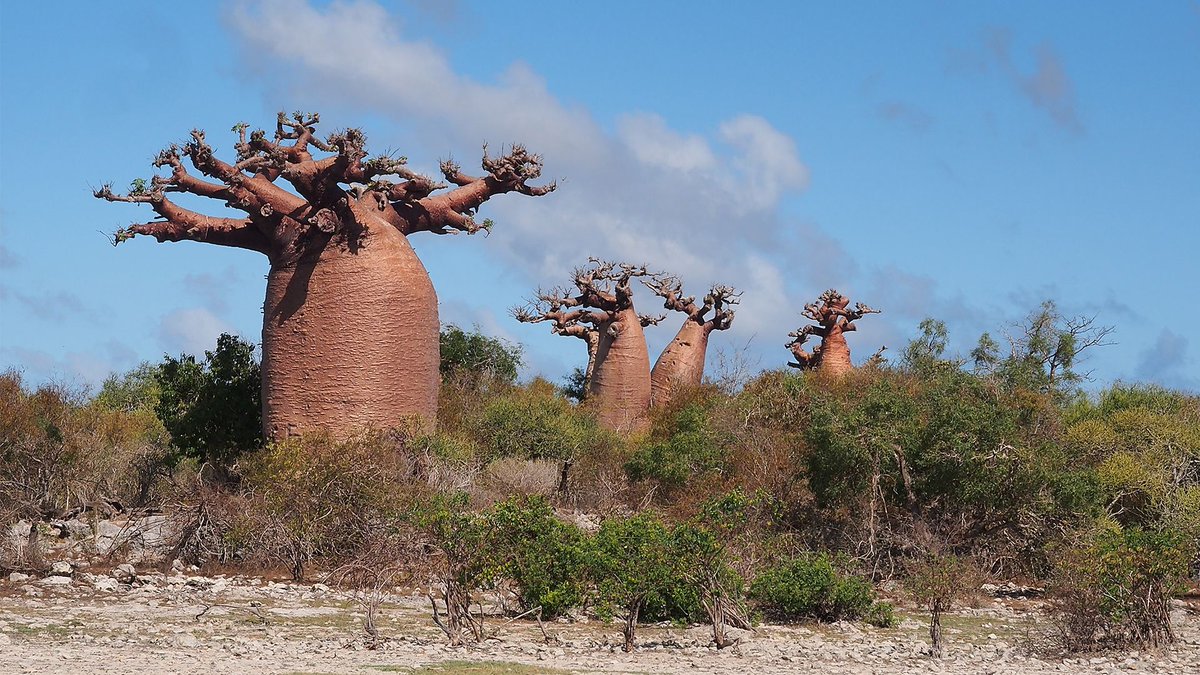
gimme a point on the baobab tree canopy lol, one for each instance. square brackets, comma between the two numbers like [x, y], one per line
[600, 310]
[681, 363]
[350, 323]
[833, 319]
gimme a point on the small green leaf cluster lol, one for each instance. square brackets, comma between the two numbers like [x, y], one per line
[810, 586]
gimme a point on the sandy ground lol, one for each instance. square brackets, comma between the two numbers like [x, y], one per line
[192, 624]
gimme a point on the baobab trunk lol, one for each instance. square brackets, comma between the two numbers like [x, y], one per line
[681, 364]
[833, 319]
[835, 355]
[620, 385]
[350, 339]
[350, 323]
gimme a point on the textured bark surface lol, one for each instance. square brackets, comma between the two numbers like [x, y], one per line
[350, 340]
[350, 323]
[833, 318]
[681, 363]
[620, 385]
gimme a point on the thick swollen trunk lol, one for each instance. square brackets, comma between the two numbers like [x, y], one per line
[681, 364]
[835, 355]
[620, 385]
[350, 340]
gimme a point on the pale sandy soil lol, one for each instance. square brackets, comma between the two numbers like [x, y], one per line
[253, 626]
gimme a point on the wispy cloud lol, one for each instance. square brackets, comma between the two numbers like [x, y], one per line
[1167, 361]
[703, 205]
[1047, 87]
[8, 259]
[191, 331]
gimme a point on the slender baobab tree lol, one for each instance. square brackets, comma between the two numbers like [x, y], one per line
[681, 364]
[350, 322]
[600, 310]
[833, 320]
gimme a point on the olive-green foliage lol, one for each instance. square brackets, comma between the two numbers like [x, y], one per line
[477, 353]
[213, 409]
[1113, 590]
[543, 555]
[315, 496]
[810, 587]
[635, 568]
[945, 443]
[536, 422]
[690, 448]
[59, 451]
[1142, 446]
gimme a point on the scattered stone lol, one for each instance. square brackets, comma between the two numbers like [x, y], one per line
[17, 577]
[125, 573]
[177, 565]
[61, 568]
[56, 581]
[105, 584]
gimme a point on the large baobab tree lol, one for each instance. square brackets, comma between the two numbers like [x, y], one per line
[833, 320]
[600, 310]
[350, 322]
[681, 364]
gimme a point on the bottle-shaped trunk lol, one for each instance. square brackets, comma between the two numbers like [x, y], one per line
[835, 355]
[620, 384]
[681, 364]
[350, 340]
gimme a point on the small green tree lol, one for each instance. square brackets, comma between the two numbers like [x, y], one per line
[213, 409]
[633, 560]
[691, 449]
[543, 555]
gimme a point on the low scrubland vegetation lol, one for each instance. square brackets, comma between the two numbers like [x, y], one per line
[789, 497]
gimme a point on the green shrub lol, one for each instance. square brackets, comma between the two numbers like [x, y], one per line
[1114, 590]
[690, 450]
[477, 353]
[544, 556]
[810, 587]
[635, 568]
[213, 409]
[881, 615]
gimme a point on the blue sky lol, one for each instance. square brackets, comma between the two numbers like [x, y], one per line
[957, 160]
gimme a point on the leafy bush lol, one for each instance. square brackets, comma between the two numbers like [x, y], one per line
[881, 615]
[635, 567]
[536, 422]
[690, 450]
[479, 354]
[213, 410]
[544, 556]
[1114, 590]
[810, 587]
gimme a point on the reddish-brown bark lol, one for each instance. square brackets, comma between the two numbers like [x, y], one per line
[601, 311]
[350, 324]
[833, 320]
[681, 364]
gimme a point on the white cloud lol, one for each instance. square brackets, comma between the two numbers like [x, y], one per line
[701, 205]
[191, 331]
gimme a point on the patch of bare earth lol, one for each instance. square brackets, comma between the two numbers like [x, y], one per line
[193, 624]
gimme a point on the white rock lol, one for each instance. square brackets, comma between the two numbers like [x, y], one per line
[125, 573]
[56, 581]
[61, 568]
[17, 577]
[105, 584]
